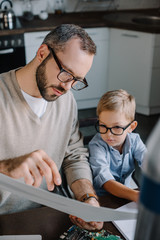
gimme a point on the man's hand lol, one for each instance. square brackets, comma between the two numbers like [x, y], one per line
[32, 167]
[79, 188]
[91, 226]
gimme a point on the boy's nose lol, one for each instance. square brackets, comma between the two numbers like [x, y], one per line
[108, 132]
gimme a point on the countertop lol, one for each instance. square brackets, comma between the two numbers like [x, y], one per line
[111, 19]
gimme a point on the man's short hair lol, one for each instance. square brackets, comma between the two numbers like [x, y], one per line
[59, 36]
[118, 100]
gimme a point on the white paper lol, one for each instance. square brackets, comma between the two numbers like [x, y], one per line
[21, 237]
[127, 227]
[63, 204]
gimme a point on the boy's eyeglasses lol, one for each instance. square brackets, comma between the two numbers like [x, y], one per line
[64, 76]
[117, 130]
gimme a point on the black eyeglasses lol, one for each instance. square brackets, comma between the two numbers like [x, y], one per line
[117, 130]
[64, 76]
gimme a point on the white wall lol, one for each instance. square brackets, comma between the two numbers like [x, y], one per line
[84, 5]
[127, 4]
[37, 6]
[80, 5]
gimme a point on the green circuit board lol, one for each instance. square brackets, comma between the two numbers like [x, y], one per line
[76, 233]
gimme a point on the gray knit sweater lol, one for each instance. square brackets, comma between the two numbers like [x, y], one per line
[22, 131]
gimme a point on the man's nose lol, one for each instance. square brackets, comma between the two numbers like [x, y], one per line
[66, 85]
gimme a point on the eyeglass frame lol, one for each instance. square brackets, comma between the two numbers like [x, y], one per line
[63, 70]
[107, 128]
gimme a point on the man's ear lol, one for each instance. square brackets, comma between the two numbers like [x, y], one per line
[133, 126]
[42, 52]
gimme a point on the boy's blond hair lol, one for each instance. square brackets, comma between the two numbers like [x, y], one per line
[118, 100]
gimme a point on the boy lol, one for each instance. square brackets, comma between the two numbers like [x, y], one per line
[114, 148]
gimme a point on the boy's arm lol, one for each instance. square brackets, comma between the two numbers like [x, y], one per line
[119, 190]
[139, 150]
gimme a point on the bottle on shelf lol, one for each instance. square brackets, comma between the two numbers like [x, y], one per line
[27, 12]
[59, 7]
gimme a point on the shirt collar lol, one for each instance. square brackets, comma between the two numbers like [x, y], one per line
[127, 144]
[126, 147]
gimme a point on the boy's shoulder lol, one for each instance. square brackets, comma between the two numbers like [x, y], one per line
[96, 140]
[134, 136]
[135, 139]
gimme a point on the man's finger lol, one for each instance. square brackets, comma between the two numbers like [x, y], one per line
[28, 178]
[36, 175]
[55, 172]
[46, 171]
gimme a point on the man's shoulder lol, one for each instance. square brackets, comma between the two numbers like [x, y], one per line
[67, 95]
[66, 103]
[6, 76]
[67, 98]
[3, 75]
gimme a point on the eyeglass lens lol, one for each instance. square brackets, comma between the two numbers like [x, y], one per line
[65, 76]
[101, 128]
[114, 130]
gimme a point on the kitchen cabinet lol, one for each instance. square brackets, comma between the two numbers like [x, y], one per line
[134, 65]
[32, 41]
[96, 77]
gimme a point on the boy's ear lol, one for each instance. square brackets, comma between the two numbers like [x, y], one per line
[133, 126]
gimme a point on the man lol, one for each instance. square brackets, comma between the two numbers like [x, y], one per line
[39, 127]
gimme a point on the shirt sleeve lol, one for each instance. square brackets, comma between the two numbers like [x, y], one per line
[99, 159]
[139, 150]
[75, 164]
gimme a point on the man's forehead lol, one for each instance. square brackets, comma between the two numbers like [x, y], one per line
[72, 43]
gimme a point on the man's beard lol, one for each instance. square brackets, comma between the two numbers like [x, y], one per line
[41, 80]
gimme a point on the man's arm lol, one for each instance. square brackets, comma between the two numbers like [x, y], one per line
[120, 190]
[80, 188]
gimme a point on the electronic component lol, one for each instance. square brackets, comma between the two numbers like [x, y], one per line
[76, 233]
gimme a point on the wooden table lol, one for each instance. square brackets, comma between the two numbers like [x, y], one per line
[49, 223]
